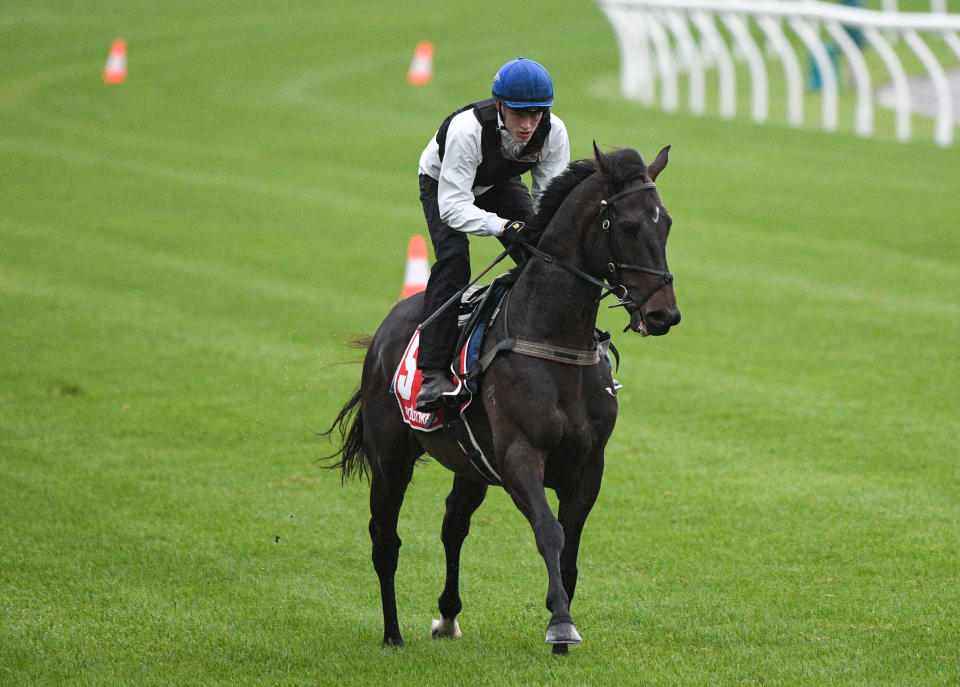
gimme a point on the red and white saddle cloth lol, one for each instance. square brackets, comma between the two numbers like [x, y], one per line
[406, 385]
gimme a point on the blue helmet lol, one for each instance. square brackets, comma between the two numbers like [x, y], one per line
[522, 84]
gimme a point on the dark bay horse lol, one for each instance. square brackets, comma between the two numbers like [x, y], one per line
[542, 422]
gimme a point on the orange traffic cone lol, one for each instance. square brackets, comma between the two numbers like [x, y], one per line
[418, 269]
[116, 69]
[421, 67]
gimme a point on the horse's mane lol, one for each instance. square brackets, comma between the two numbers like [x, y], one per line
[559, 188]
[625, 163]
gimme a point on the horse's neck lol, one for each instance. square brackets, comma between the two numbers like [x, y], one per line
[551, 305]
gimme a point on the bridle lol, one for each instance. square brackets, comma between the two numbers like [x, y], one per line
[615, 288]
[615, 267]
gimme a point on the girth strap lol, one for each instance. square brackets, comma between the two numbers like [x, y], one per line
[557, 353]
[533, 349]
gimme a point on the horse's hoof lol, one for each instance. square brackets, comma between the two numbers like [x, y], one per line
[563, 633]
[445, 629]
[393, 642]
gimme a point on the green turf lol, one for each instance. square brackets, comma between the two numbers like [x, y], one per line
[184, 258]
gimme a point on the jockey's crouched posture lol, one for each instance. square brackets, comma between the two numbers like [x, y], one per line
[470, 184]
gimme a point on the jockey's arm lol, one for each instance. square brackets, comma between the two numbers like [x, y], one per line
[455, 193]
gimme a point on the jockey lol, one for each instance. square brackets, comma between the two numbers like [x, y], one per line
[470, 184]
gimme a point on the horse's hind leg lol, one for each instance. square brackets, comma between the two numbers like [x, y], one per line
[464, 499]
[390, 474]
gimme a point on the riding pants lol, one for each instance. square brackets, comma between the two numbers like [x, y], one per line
[451, 270]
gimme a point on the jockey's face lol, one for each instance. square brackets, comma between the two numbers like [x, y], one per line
[520, 123]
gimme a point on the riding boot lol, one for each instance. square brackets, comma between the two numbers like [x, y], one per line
[436, 382]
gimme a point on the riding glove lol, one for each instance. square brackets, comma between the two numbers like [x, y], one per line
[512, 231]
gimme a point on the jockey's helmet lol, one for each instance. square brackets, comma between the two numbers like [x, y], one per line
[523, 84]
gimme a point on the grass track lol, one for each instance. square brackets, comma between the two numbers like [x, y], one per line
[183, 258]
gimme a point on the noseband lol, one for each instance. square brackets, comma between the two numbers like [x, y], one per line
[615, 267]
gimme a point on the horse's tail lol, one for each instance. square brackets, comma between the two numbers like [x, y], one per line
[350, 457]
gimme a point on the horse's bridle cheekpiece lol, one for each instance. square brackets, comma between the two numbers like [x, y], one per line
[615, 267]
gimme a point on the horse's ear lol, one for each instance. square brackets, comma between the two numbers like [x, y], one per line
[657, 165]
[602, 161]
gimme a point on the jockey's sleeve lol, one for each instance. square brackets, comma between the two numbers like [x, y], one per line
[455, 192]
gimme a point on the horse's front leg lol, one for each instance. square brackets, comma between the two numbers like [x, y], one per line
[464, 499]
[522, 473]
[575, 504]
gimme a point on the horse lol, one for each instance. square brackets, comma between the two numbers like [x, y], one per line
[542, 420]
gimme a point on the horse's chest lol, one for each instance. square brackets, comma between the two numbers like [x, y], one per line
[580, 434]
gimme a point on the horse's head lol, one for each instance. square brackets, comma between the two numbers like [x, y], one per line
[629, 243]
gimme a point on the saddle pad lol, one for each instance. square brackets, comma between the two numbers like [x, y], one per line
[406, 385]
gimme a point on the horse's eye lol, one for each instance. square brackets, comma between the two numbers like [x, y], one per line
[656, 214]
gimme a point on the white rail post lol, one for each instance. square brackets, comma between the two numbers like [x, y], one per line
[902, 103]
[708, 29]
[943, 128]
[636, 75]
[791, 67]
[828, 74]
[863, 121]
[737, 26]
[666, 64]
[692, 58]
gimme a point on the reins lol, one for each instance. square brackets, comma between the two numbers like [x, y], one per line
[549, 259]
[455, 298]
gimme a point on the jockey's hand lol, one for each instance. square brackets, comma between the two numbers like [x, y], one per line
[513, 232]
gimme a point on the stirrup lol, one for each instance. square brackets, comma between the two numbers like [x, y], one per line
[439, 379]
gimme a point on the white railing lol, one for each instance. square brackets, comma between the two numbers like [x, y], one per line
[661, 39]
